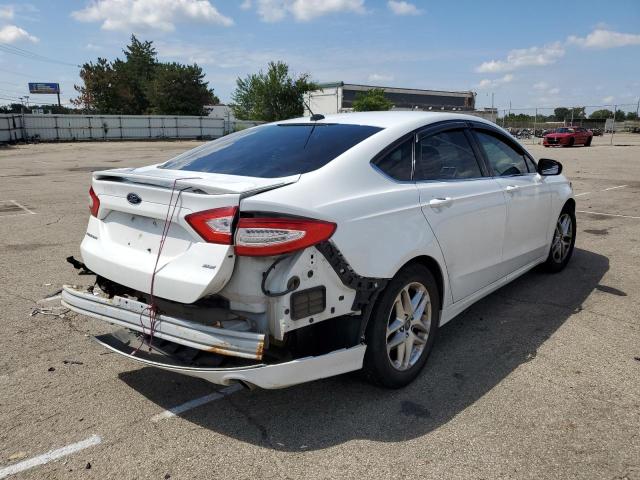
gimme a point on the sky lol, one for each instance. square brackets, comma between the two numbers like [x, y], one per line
[527, 55]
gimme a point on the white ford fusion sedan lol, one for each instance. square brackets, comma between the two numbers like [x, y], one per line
[312, 247]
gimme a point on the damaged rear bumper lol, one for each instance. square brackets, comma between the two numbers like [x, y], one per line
[131, 314]
[269, 376]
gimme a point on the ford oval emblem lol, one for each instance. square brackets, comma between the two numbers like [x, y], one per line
[133, 199]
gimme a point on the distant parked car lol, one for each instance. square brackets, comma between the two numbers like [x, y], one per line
[597, 132]
[568, 137]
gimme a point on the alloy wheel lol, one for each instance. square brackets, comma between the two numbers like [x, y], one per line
[562, 238]
[408, 326]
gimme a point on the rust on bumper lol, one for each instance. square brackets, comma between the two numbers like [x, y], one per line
[130, 314]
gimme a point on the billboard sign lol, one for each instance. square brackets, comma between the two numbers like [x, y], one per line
[50, 88]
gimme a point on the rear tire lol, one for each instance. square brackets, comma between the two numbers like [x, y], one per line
[564, 239]
[402, 328]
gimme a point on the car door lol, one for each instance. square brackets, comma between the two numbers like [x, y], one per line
[527, 195]
[583, 134]
[463, 205]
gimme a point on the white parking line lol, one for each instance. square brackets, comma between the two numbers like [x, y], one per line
[22, 207]
[608, 214]
[49, 456]
[196, 402]
[605, 190]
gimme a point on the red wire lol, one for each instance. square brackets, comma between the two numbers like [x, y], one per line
[152, 309]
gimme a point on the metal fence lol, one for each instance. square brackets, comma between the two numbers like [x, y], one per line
[46, 127]
[530, 124]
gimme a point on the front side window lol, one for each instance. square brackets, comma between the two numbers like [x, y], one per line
[273, 151]
[446, 156]
[397, 163]
[504, 159]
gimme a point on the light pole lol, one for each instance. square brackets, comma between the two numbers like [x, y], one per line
[495, 119]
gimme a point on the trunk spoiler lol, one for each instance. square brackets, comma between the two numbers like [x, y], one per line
[197, 182]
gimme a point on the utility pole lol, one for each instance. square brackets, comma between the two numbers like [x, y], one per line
[613, 126]
[535, 123]
[493, 112]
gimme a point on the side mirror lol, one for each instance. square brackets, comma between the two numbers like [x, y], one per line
[547, 167]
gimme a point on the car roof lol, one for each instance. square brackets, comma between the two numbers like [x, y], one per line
[408, 120]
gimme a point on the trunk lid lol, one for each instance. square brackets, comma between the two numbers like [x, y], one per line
[122, 242]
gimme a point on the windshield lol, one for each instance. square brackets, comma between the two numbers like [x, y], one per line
[273, 150]
[564, 130]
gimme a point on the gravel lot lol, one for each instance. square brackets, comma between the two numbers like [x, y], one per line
[538, 380]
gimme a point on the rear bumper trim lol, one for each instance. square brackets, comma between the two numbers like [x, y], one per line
[278, 375]
[128, 313]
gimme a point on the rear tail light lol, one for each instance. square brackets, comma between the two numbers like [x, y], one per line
[94, 202]
[256, 237]
[215, 226]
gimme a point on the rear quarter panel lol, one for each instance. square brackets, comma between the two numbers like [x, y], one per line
[380, 226]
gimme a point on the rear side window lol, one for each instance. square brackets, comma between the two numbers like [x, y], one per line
[273, 150]
[397, 163]
[504, 159]
[446, 156]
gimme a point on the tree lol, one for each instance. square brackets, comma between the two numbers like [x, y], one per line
[137, 71]
[600, 114]
[371, 100]
[620, 115]
[47, 108]
[14, 108]
[140, 84]
[271, 96]
[632, 116]
[562, 114]
[179, 90]
[101, 90]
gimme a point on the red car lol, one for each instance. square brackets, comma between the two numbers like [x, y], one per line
[568, 137]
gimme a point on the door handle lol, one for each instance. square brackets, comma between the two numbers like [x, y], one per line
[511, 188]
[440, 202]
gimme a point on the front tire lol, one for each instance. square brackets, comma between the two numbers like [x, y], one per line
[564, 239]
[588, 142]
[402, 328]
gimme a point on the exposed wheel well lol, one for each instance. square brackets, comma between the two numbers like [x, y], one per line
[570, 205]
[435, 269]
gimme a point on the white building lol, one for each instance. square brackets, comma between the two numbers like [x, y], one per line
[338, 97]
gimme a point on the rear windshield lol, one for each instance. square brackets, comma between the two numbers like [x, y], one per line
[273, 150]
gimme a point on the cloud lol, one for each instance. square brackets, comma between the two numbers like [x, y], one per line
[487, 83]
[602, 38]
[546, 89]
[608, 99]
[145, 15]
[379, 77]
[305, 10]
[524, 57]
[246, 5]
[13, 34]
[399, 7]
[7, 12]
